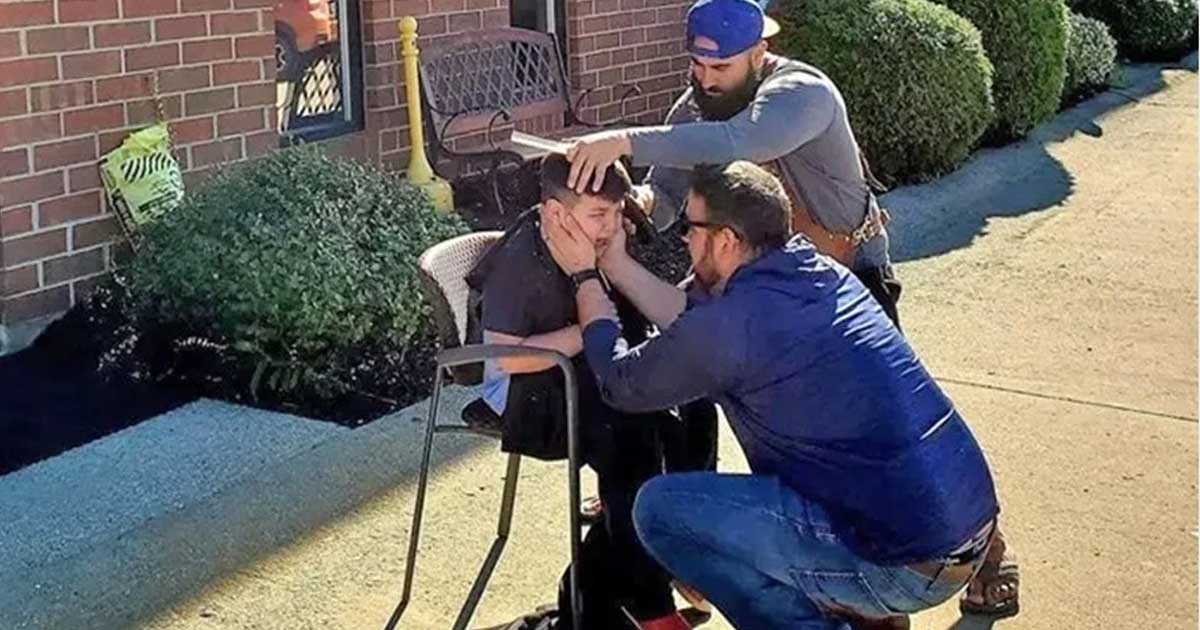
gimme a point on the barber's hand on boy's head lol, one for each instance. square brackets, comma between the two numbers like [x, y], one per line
[568, 243]
[592, 155]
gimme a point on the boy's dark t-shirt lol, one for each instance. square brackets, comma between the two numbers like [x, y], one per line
[524, 293]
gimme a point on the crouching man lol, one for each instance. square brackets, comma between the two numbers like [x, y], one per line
[869, 498]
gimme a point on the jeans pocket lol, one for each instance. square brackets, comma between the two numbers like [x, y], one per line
[832, 591]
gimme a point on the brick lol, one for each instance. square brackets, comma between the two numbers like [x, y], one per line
[65, 268]
[147, 57]
[234, 22]
[623, 56]
[68, 209]
[39, 304]
[10, 45]
[70, 11]
[253, 4]
[145, 112]
[64, 153]
[205, 6]
[124, 87]
[145, 8]
[378, 10]
[83, 178]
[25, 71]
[184, 27]
[110, 140]
[14, 221]
[600, 7]
[121, 34]
[481, 4]
[634, 72]
[495, 17]
[192, 130]
[460, 22]
[93, 119]
[238, 123]
[630, 5]
[257, 94]
[647, 52]
[84, 235]
[262, 143]
[91, 65]
[14, 102]
[633, 36]
[13, 162]
[219, 152]
[61, 96]
[16, 14]
[447, 6]
[380, 53]
[34, 247]
[595, 61]
[378, 98]
[256, 45]
[431, 25]
[211, 50]
[184, 79]
[31, 129]
[208, 101]
[610, 76]
[19, 280]
[59, 39]
[594, 25]
[606, 41]
[237, 72]
[401, 8]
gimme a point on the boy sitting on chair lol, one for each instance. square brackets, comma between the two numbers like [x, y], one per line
[527, 300]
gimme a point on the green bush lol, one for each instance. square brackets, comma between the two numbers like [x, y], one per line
[1091, 55]
[1026, 41]
[1146, 29]
[291, 259]
[914, 75]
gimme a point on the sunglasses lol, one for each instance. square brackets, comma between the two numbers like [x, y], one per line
[689, 224]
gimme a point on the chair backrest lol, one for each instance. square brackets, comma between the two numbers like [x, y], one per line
[477, 73]
[443, 269]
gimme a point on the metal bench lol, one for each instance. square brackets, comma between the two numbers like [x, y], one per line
[484, 82]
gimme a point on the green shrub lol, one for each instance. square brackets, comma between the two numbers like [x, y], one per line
[1026, 41]
[1146, 29]
[914, 75]
[291, 259]
[1091, 55]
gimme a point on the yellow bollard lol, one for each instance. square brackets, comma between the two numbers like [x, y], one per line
[420, 173]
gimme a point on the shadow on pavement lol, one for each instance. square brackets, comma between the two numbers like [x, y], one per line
[949, 213]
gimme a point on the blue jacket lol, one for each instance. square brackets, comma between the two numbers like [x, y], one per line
[823, 392]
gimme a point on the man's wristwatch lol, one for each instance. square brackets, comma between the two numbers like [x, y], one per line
[579, 277]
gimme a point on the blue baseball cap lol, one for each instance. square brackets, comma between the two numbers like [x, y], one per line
[732, 25]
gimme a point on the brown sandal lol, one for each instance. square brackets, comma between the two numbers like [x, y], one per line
[998, 585]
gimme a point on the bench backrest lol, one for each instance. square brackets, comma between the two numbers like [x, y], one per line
[478, 73]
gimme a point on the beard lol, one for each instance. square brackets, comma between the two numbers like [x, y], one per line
[721, 106]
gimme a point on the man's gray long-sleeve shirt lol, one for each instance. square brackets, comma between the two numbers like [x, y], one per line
[798, 118]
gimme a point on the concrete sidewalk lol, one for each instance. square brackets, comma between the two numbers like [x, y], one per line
[1051, 286]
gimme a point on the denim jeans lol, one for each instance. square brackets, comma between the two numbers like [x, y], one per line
[766, 557]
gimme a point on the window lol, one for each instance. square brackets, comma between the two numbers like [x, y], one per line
[547, 16]
[318, 80]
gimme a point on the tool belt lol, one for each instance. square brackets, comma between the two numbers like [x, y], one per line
[842, 247]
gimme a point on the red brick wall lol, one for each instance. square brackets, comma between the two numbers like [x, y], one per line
[627, 41]
[76, 76]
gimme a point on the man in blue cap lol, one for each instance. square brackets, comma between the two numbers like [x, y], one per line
[744, 103]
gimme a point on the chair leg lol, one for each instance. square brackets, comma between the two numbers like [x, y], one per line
[510, 495]
[415, 533]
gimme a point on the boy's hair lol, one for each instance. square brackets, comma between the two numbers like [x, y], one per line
[748, 199]
[556, 169]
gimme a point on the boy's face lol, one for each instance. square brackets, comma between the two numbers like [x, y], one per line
[598, 216]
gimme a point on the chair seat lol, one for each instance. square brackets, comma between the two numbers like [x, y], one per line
[480, 419]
